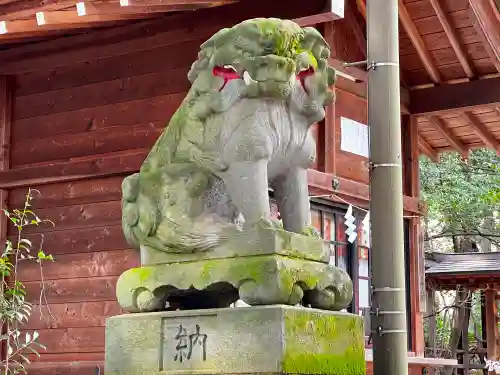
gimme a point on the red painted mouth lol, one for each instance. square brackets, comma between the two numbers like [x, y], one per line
[228, 73]
[303, 74]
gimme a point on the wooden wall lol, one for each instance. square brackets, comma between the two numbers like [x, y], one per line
[103, 113]
[347, 43]
[94, 111]
[85, 114]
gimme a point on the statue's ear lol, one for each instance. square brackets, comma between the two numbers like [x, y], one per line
[332, 75]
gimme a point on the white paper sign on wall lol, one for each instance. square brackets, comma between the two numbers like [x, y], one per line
[337, 7]
[354, 137]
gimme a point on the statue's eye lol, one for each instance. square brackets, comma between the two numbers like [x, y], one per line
[227, 72]
[305, 73]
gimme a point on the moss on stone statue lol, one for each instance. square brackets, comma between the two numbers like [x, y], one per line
[141, 274]
[279, 279]
[337, 340]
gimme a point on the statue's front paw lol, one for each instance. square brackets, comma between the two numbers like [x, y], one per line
[311, 232]
[268, 222]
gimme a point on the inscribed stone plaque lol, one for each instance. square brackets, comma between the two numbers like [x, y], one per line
[185, 342]
[267, 339]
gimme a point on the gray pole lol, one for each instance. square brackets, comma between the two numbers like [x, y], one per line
[386, 203]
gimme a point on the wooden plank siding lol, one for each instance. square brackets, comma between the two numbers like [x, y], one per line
[102, 115]
[85, 112]
[351, 104]
[85, 117]
[99, 112]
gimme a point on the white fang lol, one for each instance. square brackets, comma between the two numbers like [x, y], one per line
[247, 78]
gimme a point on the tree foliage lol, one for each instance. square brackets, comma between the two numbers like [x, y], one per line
[463, 204]
[463, 197]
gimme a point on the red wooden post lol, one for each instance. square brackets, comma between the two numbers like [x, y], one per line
[491, 310]
[417, 271]
[5, 125]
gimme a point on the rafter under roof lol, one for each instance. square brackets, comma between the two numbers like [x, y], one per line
[457, 104]
[28, 19]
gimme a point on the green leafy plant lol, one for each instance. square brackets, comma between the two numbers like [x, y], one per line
[15, 310]
[463, 198]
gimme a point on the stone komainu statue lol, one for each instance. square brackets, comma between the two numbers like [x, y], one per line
[256, 90]
[243, 127]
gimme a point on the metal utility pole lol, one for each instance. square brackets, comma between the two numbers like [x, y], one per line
[386, 190]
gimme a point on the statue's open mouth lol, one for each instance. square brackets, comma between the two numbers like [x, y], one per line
[228, 73]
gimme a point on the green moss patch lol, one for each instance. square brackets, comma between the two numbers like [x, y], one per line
[318, 342]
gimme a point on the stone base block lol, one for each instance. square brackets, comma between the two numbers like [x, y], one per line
[255, 241]
[250, 340]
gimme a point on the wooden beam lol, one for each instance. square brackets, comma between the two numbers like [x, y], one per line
[349, 72]
[359, 77]
[414, 156]
[28, 8]
[450, 97]
[27, 12]
[90, 8]
[173, 2]
[40, 33]
[333, 10]
[6, 100]
[404, 98]
[66, 15]
[6, 104]
[63, 18]
[143, 6]
[58, 20]
[496, 6]
[417, 274]
[486, 21]
[482, 131]
[427, 149]
[483, 39]
[330, 143]
[316, 19]
[452, 36]
[449, 136]
[354, 192]
[418, 43]
[29, 54]
[404, 81]
[356, 28]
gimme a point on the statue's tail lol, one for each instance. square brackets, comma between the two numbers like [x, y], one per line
[143, 224]
[202, 235]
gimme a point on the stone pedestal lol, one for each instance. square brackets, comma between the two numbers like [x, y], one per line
[264, 266]
[251, 340]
